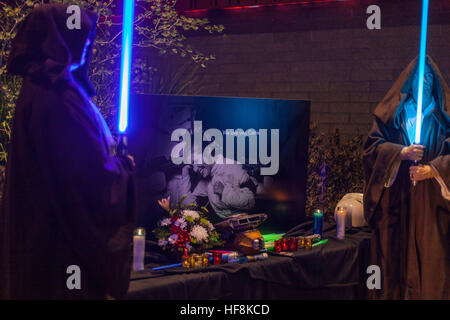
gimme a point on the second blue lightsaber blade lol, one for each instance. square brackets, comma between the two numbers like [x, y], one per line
[422, 56]
[127, 42]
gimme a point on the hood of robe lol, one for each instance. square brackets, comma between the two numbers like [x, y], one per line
[391, 106]
[45, 47]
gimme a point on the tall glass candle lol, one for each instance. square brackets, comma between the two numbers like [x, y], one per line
[138, 249]
[341, 217]
[318, 222]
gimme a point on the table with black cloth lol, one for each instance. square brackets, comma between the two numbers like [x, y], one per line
[335, 270]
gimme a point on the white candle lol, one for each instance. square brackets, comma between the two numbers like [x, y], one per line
[138, 249]
[341, 218]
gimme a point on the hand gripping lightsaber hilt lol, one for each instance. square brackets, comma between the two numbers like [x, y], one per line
[416, 163]
[122, 146]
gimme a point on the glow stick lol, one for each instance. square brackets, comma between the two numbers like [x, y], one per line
[320, 242]
[167, 267]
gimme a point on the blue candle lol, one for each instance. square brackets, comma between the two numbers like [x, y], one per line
[318, 222]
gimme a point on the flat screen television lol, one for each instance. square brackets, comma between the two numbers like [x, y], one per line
[232, 155]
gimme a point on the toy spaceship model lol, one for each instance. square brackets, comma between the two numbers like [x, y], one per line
[241, 222]
[240, 233]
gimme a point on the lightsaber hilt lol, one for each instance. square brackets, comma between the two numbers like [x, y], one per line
[122, 146]
[416, 163]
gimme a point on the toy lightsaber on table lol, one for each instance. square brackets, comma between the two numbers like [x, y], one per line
[422, 56]
[125, 70]
[231, 257]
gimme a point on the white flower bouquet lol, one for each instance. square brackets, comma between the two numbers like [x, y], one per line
[186, 229]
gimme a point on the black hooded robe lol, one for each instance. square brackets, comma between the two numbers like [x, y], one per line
[410, 225]
[68, 200]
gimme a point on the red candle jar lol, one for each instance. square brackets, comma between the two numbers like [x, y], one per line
[284, 245]
[217, 257]
[292, 244]
[278, 246]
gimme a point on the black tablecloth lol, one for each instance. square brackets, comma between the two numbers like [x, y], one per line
[335, 270]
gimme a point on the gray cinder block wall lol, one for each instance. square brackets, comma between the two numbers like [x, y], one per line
[323, 53]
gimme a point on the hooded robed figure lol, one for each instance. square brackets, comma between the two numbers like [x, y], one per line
[410, 224]
[68, 201]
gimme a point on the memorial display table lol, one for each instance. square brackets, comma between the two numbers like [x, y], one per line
[335, 270]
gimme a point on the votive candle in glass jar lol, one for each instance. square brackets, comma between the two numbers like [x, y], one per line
[205, 258]
[293, 244]
[278, 246]
[284, 245]
[217, 257]
[301, 242]
[198, 260]
[308, 243]
[185, 261]
[192, 260]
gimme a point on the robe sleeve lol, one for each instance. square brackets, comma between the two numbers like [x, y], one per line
[441, 166]
[393, 172]
[91, 191]
[379, 156]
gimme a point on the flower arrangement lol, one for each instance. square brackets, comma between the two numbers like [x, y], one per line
[185, 229]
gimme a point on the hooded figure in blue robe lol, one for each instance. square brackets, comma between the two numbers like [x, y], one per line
[410, 224]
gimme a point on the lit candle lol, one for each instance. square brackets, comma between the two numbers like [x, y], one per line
[284, 245]
[185, 262]
[217, 257]
[301, 243]
[292, 244]
[205, 258]
[318, 222]
[341, 217]
[278, 247]
[138, 249]
[198, 260]
[308, 243]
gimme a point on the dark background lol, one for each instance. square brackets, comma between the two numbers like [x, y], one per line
[320, 52]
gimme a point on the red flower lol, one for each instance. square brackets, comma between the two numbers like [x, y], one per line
[183, 239]
[174, 229]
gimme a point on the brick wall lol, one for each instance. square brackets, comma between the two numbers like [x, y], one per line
[324, 54]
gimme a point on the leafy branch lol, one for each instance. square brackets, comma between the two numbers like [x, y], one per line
[158, 26]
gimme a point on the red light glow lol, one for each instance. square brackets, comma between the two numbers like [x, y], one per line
[268, 5]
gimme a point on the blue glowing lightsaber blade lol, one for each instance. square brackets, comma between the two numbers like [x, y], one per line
[422, 55]
[127, 41]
